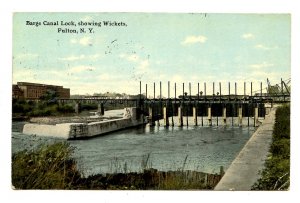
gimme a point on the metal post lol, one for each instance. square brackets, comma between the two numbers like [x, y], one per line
[220, 87]
[182, 91]
[160, 90]
[205, 90]
[235, 90]
[260, 90]
[198, 92]
[146, 92]
[190, 91]
[175, 92]
[213, 91]
[168, 89]
[140, 90]
[154, 92]
[244, 89]
[229, 90]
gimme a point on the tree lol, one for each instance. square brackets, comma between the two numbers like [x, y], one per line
[50, 97]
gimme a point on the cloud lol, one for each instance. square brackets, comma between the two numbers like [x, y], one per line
[261, 65]
[87, 18]
[84, 41]
[72, 58]
[26, 56]
[248, 36]
[131, 57]
[104, 76]
[78, 69]
[81, 57]
[73, 41]
[143, 65]
[263, 47]
[194, 39]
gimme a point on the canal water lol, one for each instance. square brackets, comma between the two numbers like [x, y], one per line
[196, 148]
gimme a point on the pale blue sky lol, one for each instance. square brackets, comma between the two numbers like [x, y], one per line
[152, 48]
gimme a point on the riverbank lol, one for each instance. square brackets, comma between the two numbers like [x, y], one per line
[244, 170]
[51, 167]
[276, 174]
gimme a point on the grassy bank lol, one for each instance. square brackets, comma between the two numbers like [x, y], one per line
[51, 167]
[276, 175]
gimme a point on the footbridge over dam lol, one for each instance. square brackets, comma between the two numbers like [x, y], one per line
[218, 108]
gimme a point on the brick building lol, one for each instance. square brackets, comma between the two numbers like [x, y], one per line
[29, 90]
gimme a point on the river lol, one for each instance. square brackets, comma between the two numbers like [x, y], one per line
[196, 148]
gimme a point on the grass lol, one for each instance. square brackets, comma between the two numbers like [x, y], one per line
[51, 167]
[48, 167]
[276, 175]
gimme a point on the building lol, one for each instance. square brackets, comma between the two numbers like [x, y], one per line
[17, 92]
[29, 90]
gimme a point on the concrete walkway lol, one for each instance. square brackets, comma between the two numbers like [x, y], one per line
[244, 170]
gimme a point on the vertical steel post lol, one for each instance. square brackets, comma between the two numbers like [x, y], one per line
[160, 90]
[235, 90]
[220, 89]
[229, 90]
[175, 92]
[190, 91]
[198, 92]
[146, 92]
[154, 92]
[168, 89]
[244, 90]
[205, 90]
[140, 97]
[213, 91]
[183, 91]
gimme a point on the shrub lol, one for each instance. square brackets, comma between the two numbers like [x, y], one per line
[276, 175]
[48, 167]
[88, 107]
[66, 109]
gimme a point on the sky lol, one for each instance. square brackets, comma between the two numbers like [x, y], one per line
[152, 47]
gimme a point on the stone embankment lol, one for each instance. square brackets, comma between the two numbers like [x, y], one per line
[244, 170]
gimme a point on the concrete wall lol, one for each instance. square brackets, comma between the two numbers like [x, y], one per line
[58, 130]
[82, 130]
[97, 128]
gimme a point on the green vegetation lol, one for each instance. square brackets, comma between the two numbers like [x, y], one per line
[48, 167]
[276, 175]
[87, 107]
[41, 108]
[51, 167]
